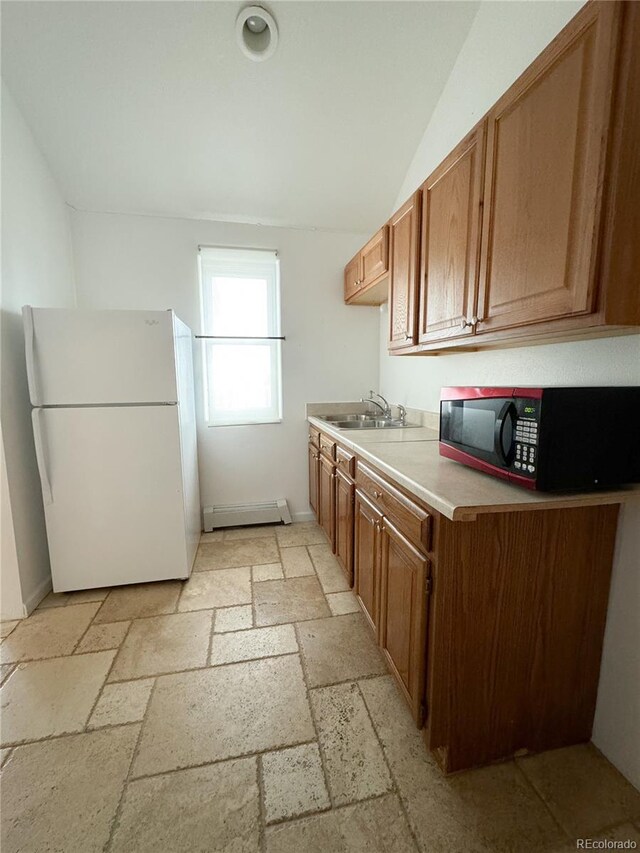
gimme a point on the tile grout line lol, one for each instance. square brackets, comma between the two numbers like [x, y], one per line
[106, 678]
[210, 644]
[117, 649]
[78, 732]
[115, 820]
[157, 676]
[233, 757]
[530, 784]
[394, 781]
[262, 806]
[323, 763]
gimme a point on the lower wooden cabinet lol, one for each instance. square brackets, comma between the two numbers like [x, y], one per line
[502, 655]
[314, 470]
[404, 587]
[326, 498]
[344, 500]
[366, 559]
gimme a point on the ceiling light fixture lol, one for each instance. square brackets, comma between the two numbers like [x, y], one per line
[256, 33]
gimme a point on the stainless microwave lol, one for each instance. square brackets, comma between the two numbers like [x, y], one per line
[550, 439]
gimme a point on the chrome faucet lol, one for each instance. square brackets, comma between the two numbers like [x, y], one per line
[386, 409]
[402, 412]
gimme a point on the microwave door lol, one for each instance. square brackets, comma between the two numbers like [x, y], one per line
[504, 434]
[482, 428]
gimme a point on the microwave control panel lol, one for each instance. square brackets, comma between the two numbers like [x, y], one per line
[525, 460]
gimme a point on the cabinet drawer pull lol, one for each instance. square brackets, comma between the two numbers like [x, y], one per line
[377, 494]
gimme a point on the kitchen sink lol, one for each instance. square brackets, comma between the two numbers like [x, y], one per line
[366, 421]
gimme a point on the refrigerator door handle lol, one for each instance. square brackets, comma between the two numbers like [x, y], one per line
[47, 494]
[27, 319]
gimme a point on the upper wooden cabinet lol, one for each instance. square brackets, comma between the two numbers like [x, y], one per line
[546, 143]
[529, 228]
[352, 276]
[365, 276]
[451, 211]
[404, 268]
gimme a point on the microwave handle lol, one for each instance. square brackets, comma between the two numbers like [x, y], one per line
[508, 410]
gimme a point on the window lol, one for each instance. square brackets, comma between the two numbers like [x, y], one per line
[240, 290]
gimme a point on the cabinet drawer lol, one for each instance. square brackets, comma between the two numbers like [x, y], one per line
[412, 520]
[346, 461]
[314, 436]
[328, 446]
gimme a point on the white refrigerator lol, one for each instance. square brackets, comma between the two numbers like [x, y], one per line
[115, 436]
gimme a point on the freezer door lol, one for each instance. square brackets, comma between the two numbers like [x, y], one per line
[112, 488]
[78, 357]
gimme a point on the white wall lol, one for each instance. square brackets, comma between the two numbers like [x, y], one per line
[330, 353]
[10, 587]
[37, 268]
[503, 40]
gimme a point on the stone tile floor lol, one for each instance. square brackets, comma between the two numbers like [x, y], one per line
[248, 709]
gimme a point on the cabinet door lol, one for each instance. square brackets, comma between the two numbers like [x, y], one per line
[352, 277]
[366, 563]
[404, 230]
[451, 199]
[314, 465]
[546, 141]
[375, 257]
[326, 498]
[403, 614]
[345, 494]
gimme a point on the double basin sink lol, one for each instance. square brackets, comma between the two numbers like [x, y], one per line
[366, 421]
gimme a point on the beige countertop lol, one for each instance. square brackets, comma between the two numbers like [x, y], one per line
[411, 458]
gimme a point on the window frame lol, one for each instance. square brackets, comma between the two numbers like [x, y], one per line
[237, 262]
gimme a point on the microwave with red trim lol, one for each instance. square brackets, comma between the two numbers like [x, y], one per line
[550, 439]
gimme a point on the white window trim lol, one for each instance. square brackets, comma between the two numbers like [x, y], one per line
[243, 263]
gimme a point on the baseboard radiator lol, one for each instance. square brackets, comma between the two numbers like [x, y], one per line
[239, 515]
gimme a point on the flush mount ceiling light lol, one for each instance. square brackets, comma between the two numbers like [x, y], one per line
[256, 33]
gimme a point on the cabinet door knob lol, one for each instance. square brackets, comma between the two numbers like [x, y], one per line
[467, 323]
[377, 494]
[408, 337]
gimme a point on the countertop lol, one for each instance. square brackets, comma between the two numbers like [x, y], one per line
[411, 458]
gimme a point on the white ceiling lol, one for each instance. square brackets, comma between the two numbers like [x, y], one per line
[150, 107]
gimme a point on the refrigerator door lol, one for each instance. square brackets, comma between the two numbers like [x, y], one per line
[85, 357]
[113, 494]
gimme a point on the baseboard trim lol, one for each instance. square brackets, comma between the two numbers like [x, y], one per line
[43, 588]
[303, 516]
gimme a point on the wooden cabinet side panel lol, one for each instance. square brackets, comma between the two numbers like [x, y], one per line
[620, 266]
[543, 187]
[375, 257]
[451, 211]
[519, 608]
